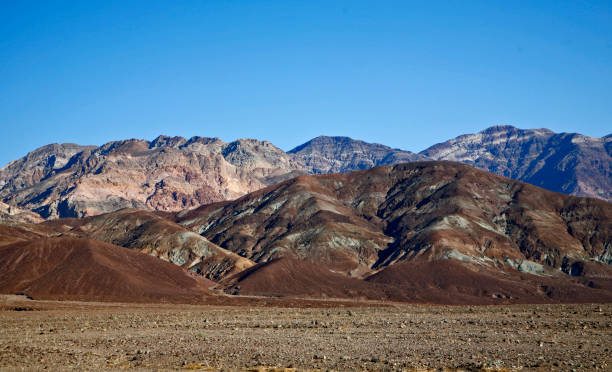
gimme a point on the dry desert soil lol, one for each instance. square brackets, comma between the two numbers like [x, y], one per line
[269, 336]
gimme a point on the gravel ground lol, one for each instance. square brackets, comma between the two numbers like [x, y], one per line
[86, 336]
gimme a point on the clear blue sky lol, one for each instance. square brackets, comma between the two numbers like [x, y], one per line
[403, 73]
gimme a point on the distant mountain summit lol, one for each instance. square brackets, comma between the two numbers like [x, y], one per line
[343, 154]
[569, 163]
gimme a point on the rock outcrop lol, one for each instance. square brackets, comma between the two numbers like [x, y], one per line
[12, 216]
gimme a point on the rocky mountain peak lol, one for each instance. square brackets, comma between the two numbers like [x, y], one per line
[569, 163]
[177, 142]
[56, 153]
[256, 153]
[167, 141]
[509, 129]
[320, 141]
[204, 141]
[38, 165]
[325, 154]
[129, 146]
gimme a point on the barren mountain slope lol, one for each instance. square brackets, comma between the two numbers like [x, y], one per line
[438, 281]
[166, 174]
[564, 162]
[455, 282]
[169, 173]
[365, 221]
[11, 234]
[300, 218]
[324, 154]
[81, 269]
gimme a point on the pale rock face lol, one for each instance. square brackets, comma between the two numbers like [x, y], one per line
[569, 163]
[14, 216]
[170, 173]
[167, 174]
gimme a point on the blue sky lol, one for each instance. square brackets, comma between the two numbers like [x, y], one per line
[407, 74]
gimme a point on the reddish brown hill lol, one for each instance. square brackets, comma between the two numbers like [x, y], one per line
[81, 269]
[12, 234]
[439, 282]
[451, 282]
[371, 219]
[291, 277]
[143, 231]
[485, 231]
[156, 236]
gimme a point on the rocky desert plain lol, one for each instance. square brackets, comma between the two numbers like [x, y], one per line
[488, 252]
[287, 335]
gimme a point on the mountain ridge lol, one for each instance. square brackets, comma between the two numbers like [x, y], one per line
[168, 173]
[175, 173]
[570, 163]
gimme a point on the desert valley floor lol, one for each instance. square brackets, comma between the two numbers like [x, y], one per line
[275, 334]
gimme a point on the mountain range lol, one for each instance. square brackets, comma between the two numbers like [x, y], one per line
[174, 173]
[434, 232]
[201, 220]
